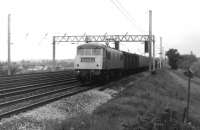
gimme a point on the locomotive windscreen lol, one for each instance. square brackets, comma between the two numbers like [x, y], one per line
[89, 52]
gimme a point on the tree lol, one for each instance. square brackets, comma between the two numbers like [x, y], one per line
[186, 61]
[173, 57]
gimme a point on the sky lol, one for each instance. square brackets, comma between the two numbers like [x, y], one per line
[34, 22]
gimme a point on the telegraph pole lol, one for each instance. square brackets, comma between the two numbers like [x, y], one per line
[150, 39]
[9, 39]
[54, 53]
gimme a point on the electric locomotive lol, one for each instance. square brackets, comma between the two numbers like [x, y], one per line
[98, 61]
[95, 60]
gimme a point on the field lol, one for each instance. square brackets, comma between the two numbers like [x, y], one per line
[32, 66]
[140, 105]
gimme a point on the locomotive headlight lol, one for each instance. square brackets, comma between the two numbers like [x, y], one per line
[97, 65]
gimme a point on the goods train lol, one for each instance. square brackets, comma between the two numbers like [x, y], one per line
[98, 61]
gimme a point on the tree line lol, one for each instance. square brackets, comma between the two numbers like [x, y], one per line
[185, 61]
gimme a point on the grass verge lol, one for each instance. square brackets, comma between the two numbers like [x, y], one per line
[139, 105]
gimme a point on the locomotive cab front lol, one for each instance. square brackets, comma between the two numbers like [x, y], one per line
[88, 61]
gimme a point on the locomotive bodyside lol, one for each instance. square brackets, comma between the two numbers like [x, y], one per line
[113, 59]
[113, 63]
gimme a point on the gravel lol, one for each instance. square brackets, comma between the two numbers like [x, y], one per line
[57, 111]
[69, 107]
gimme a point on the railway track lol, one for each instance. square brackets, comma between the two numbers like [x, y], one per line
[36, 73]
[24, 82]
[40, 102]
[24, 92]
[11, 79]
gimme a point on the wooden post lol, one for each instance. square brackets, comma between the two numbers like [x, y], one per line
[188, 98]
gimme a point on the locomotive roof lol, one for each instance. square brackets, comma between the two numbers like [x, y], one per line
[92, 45]
[99, 45]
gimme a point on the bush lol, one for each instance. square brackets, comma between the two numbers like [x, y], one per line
[196, 68]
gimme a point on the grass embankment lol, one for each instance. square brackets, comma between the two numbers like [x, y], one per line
[195, 79]
[139, 104]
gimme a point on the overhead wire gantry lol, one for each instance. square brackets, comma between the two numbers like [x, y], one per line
[107, 38]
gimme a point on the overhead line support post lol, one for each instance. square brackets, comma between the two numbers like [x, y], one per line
[150, 41]
[9, 39]
[161, 53]
[154, 67]
[149, 50]
[164, 57]
[54, 53]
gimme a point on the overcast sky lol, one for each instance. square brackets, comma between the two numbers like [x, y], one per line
[34, 22]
